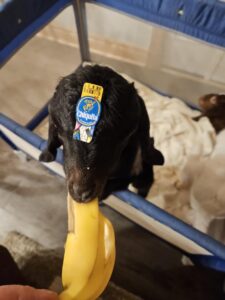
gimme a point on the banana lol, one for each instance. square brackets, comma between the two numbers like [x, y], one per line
[110, 257]
[89, 252]
[104, 263]
[81, 247]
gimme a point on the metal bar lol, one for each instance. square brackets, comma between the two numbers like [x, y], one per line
[8, 141]
[172, 222]
[32, 151]
[81, 24]
[38, 118]
[32, 144]
[23, 133]
[213, 262]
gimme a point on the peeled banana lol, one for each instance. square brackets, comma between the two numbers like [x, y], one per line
[89, 252]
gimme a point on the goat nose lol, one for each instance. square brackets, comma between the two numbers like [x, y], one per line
[81, 194]
[87, 196]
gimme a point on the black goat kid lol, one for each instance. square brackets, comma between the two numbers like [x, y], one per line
[121, 151]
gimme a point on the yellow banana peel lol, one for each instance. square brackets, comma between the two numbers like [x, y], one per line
[89, 252]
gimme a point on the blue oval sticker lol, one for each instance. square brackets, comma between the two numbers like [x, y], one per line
[88, 111]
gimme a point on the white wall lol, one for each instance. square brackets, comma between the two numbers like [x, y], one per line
[166, 51]
[111, 25]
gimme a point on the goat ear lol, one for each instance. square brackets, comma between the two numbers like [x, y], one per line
[156, 156]
[151, 154]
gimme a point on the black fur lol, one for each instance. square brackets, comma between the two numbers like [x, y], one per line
[104, 165]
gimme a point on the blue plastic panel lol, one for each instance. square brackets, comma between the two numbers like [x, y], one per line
[21, 19]
[202, 19]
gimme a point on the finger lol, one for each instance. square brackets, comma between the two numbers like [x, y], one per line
[45, 295]
[19, 292]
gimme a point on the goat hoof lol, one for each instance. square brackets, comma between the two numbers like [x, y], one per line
[46, 156]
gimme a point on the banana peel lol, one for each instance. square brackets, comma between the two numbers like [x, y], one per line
[89, 252]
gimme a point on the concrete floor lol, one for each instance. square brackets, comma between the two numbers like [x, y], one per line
[32, 201]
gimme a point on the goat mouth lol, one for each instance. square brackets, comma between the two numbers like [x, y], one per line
[85, 196]
[82, 198]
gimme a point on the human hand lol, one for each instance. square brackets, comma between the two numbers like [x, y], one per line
[20, 292]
